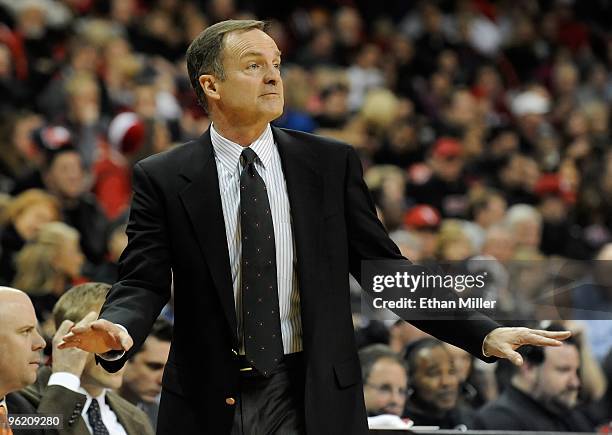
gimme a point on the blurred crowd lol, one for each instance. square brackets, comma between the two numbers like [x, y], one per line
[483, 127]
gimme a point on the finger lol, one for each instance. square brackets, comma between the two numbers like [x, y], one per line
[538, 340]
[514, 357]
[64, 328]
[69, 337]
[558, 335]
[68, 345]
[126, 341]
[85, 322]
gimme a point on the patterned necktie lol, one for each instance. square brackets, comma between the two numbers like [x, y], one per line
[95, 418]
[263, 342]
[5, 429]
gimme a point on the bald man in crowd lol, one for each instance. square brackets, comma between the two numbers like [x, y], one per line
[20, 357]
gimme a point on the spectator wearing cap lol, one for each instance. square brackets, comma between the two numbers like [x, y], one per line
[424, 221]
[542, 396]
[433, 383]
[22, 220]
[385, 381]
[445, 189]
[64, 176]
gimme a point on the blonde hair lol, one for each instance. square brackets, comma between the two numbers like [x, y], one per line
[36, 274]
[77, 302]
[27, 199]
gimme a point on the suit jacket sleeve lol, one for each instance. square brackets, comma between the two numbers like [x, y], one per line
[368, 240]
[143, 287]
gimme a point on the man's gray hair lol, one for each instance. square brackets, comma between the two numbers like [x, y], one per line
[205, 53]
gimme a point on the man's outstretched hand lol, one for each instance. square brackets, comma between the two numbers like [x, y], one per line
[96, 335]
[503, 342]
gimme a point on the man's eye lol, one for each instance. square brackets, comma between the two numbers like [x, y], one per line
[277, 65]
[253, 66]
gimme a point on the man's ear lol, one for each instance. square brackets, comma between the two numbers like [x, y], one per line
[208, 83]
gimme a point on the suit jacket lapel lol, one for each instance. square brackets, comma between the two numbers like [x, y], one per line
[202, 201]
[129, 423]
[305, 189]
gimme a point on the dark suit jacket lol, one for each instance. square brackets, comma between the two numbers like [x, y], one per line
[515, 410]
[17, 404]
[176, 223]
[56, 399]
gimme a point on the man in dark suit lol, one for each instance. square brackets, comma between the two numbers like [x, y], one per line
[259, 228]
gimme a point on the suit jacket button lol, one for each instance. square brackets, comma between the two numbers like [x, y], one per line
[230, 401]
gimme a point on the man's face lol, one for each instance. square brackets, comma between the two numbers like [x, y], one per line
[435, 379]
[20, 342]
[143, 375]
[252, 91]
[65, 176]
[385, 389]
[94, 375]
[557, 378]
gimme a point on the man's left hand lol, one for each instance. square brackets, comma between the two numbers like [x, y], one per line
[503, 342]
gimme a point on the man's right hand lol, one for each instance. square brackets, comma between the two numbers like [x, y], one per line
[97, 336]
[70, 360]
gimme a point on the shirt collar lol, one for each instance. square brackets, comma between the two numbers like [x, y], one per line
[229, 152]
[3, 402]
[101, 398]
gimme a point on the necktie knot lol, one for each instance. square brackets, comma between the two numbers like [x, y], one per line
[248, 157]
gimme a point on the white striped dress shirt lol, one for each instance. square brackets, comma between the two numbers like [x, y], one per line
[268, 165]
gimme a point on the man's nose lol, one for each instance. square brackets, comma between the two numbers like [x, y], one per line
[272, 75]
[39, 342]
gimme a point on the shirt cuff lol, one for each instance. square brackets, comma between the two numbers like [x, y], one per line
[114, 355]
[66, 380]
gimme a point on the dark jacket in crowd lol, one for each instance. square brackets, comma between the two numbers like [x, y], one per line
[422, 415]
[515, 410]
[10, 244]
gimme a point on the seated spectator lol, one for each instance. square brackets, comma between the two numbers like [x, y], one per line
[434, 386]
[63, 175]
[542, 395]
[19, 355]
[75, 386]
[424, 221]
[142, 379]
[22, 220]
[384, 380]
[445, 189]
[47, 266]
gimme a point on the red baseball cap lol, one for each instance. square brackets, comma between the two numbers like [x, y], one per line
[447, 147]
[422, 216]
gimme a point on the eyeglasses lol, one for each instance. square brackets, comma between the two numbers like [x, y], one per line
[389, 389]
